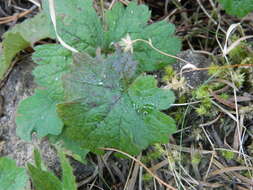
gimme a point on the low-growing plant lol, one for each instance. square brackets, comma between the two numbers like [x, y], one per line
[100, 96]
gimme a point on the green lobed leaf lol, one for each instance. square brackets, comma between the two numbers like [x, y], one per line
[89, 34]
[133, 21]
[107, 106]
[238, 8]
[162, 37]
[11, 176]
[37, 113]
[20, 37]
[121, 21]
[77, 23]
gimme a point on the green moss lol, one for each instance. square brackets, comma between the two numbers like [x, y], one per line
[224, 96]
[213, 69]
[239, 53]
[183, 99]
[238, 78]
[229, 155]
[201, 92]
[196, 158]
[151, 156]
[169, 73]
[147, 177]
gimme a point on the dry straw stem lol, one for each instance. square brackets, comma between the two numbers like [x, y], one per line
[35, 2]
[53, 19]
[229, 169]
[7, 19]
[219, 67]
[143, 165]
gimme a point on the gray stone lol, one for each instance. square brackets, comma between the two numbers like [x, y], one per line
[17, 87]
[193, 78]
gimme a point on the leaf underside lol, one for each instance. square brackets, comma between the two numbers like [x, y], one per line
[20, 37]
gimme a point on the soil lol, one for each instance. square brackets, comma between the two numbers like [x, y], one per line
[19, 86]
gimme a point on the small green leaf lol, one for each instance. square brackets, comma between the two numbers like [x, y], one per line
[107, 107]
[238, 8]
[11, 176]
[38, 114]
[68, 179]
[43, 180]
[20, 37]
[37, 159]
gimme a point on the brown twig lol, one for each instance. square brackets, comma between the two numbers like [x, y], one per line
[229, 169]
[4, 20]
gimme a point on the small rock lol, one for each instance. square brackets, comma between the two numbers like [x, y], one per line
[193, 78]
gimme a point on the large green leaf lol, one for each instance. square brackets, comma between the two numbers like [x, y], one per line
[80, 26]
[20, 37]
[38, 114]
[11, 176]
[239, 8]
[133, 21]
[108, 106]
